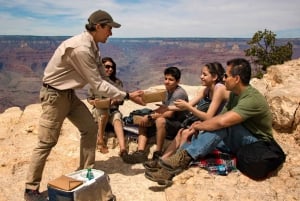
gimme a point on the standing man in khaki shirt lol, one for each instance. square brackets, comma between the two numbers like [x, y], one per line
[73, 65]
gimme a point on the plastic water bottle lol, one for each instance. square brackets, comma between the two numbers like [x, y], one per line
[89, 174]
[219, 169]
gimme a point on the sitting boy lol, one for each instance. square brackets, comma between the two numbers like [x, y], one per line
[163, 121]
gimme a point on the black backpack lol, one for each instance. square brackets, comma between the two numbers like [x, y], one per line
[259, 159]
[128, 120]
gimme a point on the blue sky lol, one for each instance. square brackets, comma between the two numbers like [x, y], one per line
[154, 18]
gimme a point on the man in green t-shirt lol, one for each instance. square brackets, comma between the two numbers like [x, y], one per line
[245, 119]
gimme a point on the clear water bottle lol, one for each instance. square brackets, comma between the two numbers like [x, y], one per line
[89, 174]
[218, 169]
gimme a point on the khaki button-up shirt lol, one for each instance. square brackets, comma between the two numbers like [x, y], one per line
[75, 64]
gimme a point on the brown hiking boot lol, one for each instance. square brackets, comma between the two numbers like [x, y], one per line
[177, 162]
[161, 176]
[136, 157]
[152, 165]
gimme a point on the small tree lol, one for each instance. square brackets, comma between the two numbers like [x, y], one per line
[264, 52]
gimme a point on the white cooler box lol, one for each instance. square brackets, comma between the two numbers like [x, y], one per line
[97, 189]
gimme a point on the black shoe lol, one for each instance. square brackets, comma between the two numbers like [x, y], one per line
[162, 176]
[177, 162]
[123, 153]
[34, 195]
[136, 157]
[152, 165]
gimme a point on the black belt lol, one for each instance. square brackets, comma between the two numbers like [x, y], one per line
[49, 86]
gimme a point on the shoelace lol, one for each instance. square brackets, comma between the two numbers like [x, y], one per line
[177, 159]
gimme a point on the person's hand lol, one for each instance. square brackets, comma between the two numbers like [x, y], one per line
[181, 104]
[91, 101]
[188, 133]
[115, 102]
[197, 125]
[161, 109]
[144, 121]
[136, 96]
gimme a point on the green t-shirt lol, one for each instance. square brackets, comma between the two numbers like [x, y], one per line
[254, 109]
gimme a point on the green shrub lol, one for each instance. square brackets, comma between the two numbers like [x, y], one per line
[264, 52]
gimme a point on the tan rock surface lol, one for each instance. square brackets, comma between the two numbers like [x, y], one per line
[18, 136]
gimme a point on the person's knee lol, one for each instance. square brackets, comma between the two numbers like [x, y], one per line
[46, 145]
[117, 122]
[160, 121]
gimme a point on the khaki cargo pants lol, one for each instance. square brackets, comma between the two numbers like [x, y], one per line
[56, 106]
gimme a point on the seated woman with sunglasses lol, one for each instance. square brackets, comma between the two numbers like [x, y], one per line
[111, 115]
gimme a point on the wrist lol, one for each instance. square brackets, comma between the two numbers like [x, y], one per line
[150, 118]
[127, 96]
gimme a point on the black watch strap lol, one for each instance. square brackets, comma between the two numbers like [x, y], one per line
[127, 96]
[150, 117]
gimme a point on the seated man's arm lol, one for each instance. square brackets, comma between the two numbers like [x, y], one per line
[227, 119]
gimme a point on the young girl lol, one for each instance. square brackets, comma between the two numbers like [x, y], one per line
[209, 101]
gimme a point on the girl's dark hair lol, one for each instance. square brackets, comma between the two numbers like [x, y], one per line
[215, 68]
[242, 68]
[114, 67]
[174, 71]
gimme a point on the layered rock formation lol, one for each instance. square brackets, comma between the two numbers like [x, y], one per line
[280, 86]
[281, 89]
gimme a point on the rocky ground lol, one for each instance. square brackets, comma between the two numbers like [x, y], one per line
[18, 137]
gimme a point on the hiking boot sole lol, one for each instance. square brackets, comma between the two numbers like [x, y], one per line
[162, 182]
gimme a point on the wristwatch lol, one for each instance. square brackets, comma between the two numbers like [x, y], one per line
[127, 96]
[150, 117]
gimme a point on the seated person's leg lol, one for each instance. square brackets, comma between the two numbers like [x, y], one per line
[175, 144]
[116, 121]
[152, 165]
[185, 137]
[160, 133]
[140, 155]
[102, 117]
[238, 136]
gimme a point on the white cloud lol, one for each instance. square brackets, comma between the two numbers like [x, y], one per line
[156, 18]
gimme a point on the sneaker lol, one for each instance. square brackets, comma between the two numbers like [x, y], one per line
[177, 162]
[162, 176]
[34, 195]
[136, 157]
[152, 165]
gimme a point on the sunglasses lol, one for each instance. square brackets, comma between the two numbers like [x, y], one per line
[107, 66]
[225, 76]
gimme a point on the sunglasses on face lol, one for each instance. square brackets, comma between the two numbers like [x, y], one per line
[225, 76]
[107, 66]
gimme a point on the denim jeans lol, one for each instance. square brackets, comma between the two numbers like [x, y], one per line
[232, 137]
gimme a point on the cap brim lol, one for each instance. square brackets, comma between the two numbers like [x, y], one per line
[114, 24]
